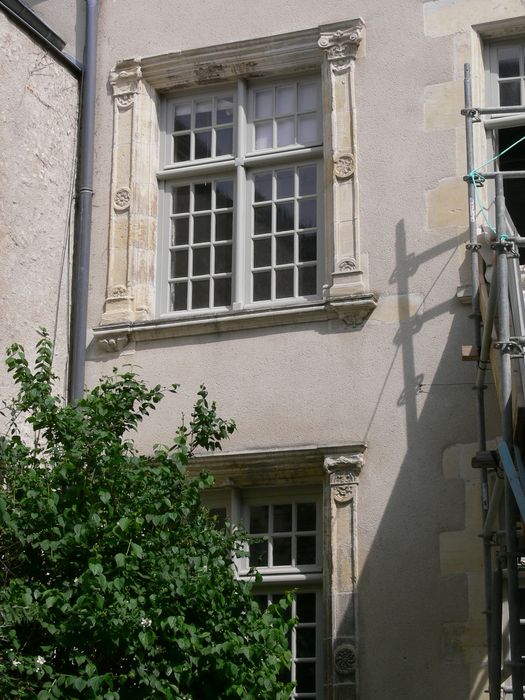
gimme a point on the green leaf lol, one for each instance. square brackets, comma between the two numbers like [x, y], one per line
[104, 496]
[120, 559]
[123, 523]
[96, 568]
[137, 550]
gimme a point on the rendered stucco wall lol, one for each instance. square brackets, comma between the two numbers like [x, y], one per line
[38, 141]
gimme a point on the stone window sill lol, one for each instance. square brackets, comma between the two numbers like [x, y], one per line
[353, 311]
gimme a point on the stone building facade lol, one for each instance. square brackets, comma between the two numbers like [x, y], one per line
[280, 213]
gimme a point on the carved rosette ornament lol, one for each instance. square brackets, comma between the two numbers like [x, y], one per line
[341, 46]
[119, 291]
[347, 265]
[122, 199]
[125, 84]
[344, 165]
[345, 659]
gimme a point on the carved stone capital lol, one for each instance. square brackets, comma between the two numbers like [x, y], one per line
[113, 344]
[125, 84]
[343, 472]
[341, 46]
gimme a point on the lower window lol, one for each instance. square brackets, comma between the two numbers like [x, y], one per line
[286, 549]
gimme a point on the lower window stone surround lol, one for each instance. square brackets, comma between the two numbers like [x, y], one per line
[334, 470]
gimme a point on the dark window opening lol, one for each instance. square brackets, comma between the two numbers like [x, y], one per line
[514, 188]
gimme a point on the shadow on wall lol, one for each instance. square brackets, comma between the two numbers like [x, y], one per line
[421, 630]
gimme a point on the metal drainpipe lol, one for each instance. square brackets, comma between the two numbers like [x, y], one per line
[80, 284]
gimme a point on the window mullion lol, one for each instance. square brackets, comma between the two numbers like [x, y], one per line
[239, 267]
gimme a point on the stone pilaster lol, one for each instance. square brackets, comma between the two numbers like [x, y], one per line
[346, 268]
[340, 567]
[133, 219]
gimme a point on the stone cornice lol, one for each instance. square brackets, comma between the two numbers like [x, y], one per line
[279, 54]
[300, 465]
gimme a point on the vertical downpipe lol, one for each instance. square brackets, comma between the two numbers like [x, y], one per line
[80, 283]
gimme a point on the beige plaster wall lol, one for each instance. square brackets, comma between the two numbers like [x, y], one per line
[38, 140]
[397, 383]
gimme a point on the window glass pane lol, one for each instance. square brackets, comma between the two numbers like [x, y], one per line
[181, 199]
[307, 97]
[284, 283]
[307, 247]
[308, 213]
[262, 252]
[285, 100]
[263, 187]
[223, 258]
[223, 226]
[263, 135]
[285, 216]
[201, 228]
[203, 144]
[285, 183]
[284, 250]
[282, 517]
[224, 142]
[259, 554]
[307, 281]
[263, 103]
[224, 113]
[509, 93]
[258, 519]
[263, 219]
[224, 194]
[305, 607]
[262, 286]
[305, 642]
[179, 296]
[222, 292]
[201, 261]
[203, 114]
[179, 263]
[306, 516]
[508, 61]
[282, 551]
[285, 132]
[181, 146]
[305, 677]
[200, 297]
[307, 129]
[307, 179]
[179, 231]
[202, 196]
[306, 549]
[182, 117]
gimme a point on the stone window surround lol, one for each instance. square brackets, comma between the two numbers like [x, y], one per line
[138, 85]
[334, 470]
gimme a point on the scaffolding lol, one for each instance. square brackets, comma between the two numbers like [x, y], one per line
[498, 311]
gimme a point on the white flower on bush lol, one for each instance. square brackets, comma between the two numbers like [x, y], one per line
[16, 663]
[40, 661]
[145, 622]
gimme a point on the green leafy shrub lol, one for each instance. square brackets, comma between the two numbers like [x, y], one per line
[115, 582]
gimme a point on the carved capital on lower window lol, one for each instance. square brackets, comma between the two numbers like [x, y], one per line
[125, 84]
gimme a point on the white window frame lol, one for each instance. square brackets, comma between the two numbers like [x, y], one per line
[276, 580]
[241, 166]
[132, 309]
